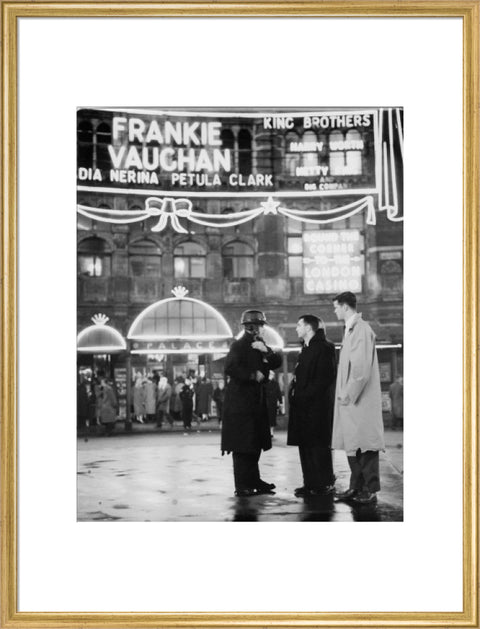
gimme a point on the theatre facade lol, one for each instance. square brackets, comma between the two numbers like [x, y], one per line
[188, 217]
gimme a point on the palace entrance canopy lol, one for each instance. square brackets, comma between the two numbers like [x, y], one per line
[179, 325]
[100, 338]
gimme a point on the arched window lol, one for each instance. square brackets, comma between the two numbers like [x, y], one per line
[104, 133]
[309, 154]
[237, 261]
[337, 155]
[244, 152]
[292, 154]
[144, 259]
[104, 138]
[354, 146]
[85, 132]
[85, 144]
[346, 153]
[94, 258]
[228, 141]
[189, 260]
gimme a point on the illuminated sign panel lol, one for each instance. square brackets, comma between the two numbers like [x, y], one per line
[332, 261]
[203, 152]
[180, 347]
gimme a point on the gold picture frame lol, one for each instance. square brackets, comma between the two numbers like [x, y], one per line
[469, 12]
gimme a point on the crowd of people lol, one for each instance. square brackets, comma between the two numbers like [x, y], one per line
[188, 399]
[154, 400]
[97, 402]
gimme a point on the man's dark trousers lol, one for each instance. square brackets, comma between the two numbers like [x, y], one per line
[245, 469]
[317, 466]
[365, 469]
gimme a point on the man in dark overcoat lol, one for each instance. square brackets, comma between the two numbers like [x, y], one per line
[245, 425]
[312, 402]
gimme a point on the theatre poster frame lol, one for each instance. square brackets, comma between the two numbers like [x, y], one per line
[469, 12]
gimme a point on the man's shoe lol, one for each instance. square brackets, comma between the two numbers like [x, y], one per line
[301, 491]
[242, 493]
[263, 485]
[365, 498]
[346, 496]
[264, 490]
[322, 491]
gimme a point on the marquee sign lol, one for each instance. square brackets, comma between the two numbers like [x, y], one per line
[169, 151]
[180, 347]
[171, 158]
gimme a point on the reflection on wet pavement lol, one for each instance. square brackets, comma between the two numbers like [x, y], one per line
[99, 516]
[167, 477]
[313, 509]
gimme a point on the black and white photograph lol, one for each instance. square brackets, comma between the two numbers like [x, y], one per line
[240, 314]
[252, 318]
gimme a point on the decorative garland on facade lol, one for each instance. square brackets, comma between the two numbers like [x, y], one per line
[169, 210]
[390, 137]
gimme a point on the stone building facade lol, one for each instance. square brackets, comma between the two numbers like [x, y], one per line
[260, 263]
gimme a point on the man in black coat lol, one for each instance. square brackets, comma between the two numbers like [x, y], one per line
[245, 425]
[312, 400]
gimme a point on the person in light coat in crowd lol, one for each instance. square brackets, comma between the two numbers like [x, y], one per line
[358, 421]
[108, 406]
[219, 399]
[150, 399]
[139, 398]
[164, 393]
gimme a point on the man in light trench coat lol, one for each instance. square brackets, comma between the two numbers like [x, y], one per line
[358, 422]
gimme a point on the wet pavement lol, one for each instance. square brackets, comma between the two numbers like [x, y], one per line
[155, 476]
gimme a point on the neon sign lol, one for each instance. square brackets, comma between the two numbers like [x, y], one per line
[153, 134]
[180, 347]
[172, 157]
[170, 150]
[100, 338]
[323, 121]
[306, 147]
[332, 261]
[169, 159]
[169, 211]
[167, 132]
[152, 323]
